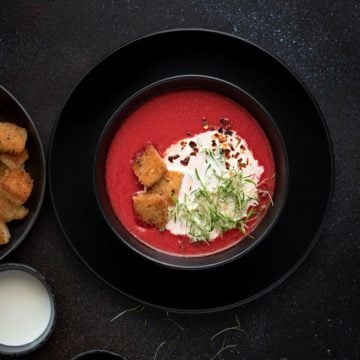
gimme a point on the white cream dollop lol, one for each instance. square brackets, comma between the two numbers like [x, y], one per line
[192, 154]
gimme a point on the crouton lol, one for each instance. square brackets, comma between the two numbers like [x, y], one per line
[148, 166]
[4, 233]
[14, 161]
[151, 209]
[9, 211]
[12, 138]
[168, 186]
[16, 185]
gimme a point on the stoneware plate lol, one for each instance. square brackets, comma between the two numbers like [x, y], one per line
[173, 53]
[12, 111]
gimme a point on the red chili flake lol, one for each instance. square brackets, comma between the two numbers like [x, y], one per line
[231, 147]
[236, 155]
[205, 123]
[225, 121]
[185, 161]
[196, 150]
[192, 144]
[193, 153]
[242, 147]
[172, 158]
[221, 130]
[227, 153]
[227, 165]
[213, 143]
[228, 132]
[241, 164]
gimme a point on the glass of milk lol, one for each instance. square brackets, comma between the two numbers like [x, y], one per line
[27, 309]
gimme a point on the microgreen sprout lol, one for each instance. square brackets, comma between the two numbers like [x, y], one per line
[173, 321]
[138, 308]
[210, 209]
[238, 327]
[223, 348]
[158, 349]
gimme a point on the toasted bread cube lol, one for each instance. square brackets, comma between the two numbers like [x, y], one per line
[9, 211]
[16, 185]
[151, 209]
[148, 166]
[12, 138]
[4, 233]
[168, 186]
[14, 161]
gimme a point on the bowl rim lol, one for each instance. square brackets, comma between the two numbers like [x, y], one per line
[44, 337]
[43, 176]
[208, 264]
[97, 351]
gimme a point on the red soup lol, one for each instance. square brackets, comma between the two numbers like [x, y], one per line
[164, 121]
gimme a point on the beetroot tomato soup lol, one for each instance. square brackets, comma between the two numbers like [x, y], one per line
[163, 121]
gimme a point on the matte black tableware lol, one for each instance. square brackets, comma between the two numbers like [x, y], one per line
[131, 68]
[98, 355]
[12, 111]
[267, 124]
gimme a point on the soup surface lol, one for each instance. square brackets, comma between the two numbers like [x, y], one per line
[167, 121]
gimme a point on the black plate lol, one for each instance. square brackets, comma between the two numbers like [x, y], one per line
[12, 111]
[179, 52]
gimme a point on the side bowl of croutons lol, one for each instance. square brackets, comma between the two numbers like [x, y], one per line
[22, 173]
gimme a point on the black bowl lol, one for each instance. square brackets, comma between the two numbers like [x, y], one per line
[267, 124]
[98, 355]
[12, 111]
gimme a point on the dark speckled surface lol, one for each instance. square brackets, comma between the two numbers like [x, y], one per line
[46, 47]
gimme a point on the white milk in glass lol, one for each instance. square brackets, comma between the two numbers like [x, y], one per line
[25, 308]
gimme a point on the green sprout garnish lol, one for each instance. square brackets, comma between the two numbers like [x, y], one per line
[218, 209]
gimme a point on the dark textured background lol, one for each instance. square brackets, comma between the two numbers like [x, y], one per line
[46, 47]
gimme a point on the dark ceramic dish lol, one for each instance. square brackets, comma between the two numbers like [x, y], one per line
[27, 348]
[131, 68]
[241, 97]
[98, 355]
[12, 111]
